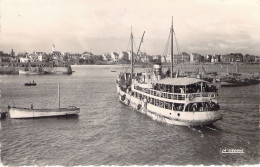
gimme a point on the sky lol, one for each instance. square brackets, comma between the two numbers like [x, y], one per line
[100, 26]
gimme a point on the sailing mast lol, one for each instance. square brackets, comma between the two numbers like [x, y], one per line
[172, 49]
[132, 54]
[59, 93]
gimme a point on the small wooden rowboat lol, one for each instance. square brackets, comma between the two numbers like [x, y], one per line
[30, 84]
[18, 112]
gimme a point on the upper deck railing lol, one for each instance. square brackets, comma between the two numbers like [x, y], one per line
[175, 96]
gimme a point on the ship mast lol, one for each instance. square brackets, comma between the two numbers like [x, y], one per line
[172, 49]
[132, 54]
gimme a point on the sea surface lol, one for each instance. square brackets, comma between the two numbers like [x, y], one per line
[108, 133]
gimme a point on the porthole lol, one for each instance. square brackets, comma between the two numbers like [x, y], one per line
[178, 114]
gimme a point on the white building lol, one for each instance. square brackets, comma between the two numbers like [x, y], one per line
[87, 56]
[24, 59]
[166, 59]
[106, 56]
[41, 56]
[124, 56]
[114, 56]
[195, 58]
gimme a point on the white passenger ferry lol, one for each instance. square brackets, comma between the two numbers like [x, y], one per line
[179, 101]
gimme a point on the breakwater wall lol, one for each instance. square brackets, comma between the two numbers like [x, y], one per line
[47, 70]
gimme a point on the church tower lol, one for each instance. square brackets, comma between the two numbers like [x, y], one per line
[53, 48]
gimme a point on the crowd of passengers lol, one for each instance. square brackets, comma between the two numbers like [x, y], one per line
[200, 106]
[193, 88]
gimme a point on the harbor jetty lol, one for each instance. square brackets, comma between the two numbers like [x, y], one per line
[34, 68]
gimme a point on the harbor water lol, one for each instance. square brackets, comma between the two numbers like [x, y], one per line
[107, 132]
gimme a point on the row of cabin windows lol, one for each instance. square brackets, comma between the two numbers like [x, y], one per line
[160, 103]
[200, 106]
[193, 88]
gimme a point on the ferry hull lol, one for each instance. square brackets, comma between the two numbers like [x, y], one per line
[16, 113]
[169, 116]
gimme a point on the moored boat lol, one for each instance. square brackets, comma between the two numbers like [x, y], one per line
[30, 84]
[179, 101]
[234, 81]
[18, 112]
[237, 79]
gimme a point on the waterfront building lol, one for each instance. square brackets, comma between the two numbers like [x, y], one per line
[232, 57]
[177, 59]
[130, 53]
[166, 59]
[248, 58]
[87, 56]
[146, 58]
[24, 59]
[5, 57]
[257, 59]
[41, 56]
[32, 57]
[71, 58]
[124, 55]
[208, 58]
[106, 57]
[195, 58]
[157, 58]
[216, 58]
[114, 56]
[56, 53]
[57, 58]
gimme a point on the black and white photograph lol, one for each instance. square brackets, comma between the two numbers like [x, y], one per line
[129, 82]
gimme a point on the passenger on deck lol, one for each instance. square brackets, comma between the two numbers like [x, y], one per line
[202, 108]
[182, 91]
[213, 88]
[178, 89]
[174, 107]
[194, 107]
[180, 108]
[168, 73]
[203, 89]
[211, 105]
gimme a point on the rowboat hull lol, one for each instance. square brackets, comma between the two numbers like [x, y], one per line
[17, 113]
[30, 84]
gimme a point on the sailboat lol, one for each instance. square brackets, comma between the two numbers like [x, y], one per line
[178, 101]
[17, 112]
